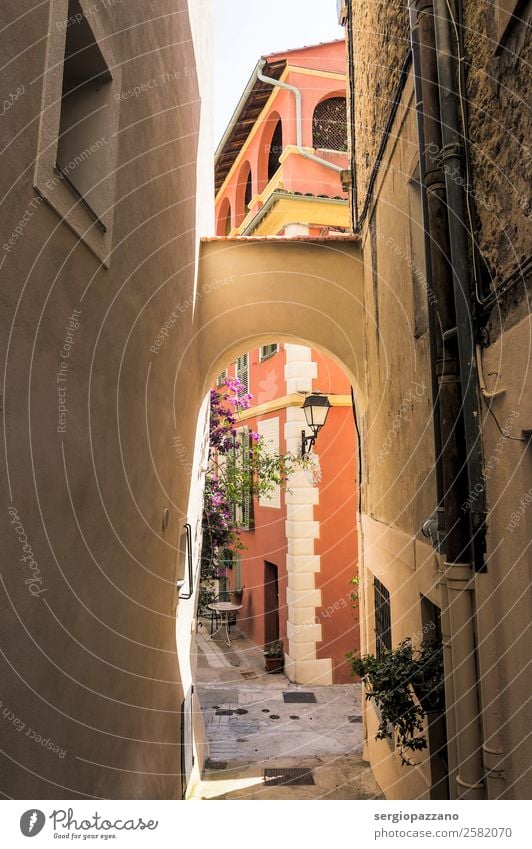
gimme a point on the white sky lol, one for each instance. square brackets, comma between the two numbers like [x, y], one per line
[244, 30]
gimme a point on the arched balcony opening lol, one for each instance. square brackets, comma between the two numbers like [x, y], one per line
[224, 223]
[271, 148]
[244, 193]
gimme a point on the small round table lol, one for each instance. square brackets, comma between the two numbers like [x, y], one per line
[224, 609]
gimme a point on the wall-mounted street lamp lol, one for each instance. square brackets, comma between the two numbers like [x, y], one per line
[316, 408]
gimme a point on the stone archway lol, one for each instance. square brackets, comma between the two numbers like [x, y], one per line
[300, 292]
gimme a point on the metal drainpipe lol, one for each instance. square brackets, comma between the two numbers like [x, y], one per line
[432, 328]
[452, 157]
[462, 697]
[454, 130]
[299, 119]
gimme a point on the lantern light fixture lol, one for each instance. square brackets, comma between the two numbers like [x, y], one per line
[316, 408]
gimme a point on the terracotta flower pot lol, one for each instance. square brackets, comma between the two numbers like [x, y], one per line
[273, 664]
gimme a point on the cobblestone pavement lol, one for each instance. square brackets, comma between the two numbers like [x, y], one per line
[250, 728]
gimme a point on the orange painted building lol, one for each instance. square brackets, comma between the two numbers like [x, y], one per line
[278, 172]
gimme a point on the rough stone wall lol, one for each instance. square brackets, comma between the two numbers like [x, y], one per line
[381, 40]
[500, 128]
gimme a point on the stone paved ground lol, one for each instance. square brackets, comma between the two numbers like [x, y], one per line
[250, 727]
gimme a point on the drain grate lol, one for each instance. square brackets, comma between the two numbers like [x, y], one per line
[224, 712]
[248, 673]
[299, 698]
[354, 718]
[279, 777]
[215, 764]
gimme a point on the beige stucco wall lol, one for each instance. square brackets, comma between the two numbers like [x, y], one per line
[89, 661]
[399, 494]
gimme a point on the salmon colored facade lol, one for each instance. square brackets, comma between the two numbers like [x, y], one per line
[301, 548]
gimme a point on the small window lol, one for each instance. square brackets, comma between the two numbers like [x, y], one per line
[383, 627]
[267, 351]
[76, 163]
[242, 372]
[86, 98]
[329, 124]
[220, 380]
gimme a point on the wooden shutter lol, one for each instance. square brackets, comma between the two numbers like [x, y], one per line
[242, 371]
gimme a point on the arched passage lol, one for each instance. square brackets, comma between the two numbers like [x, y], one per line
[296, 292]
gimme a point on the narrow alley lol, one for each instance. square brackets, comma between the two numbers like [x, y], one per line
[269, 738]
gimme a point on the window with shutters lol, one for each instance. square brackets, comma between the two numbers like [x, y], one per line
[383, 627]
[237, 571]
[242, 371]
[243, 509]
[268, 429]
[329, 124]
[220, 380]
[266, 351]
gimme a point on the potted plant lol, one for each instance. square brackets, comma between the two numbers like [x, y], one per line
[406, 684]
[274, 657]
[236, 595]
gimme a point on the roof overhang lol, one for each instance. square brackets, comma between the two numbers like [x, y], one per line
[254, 99]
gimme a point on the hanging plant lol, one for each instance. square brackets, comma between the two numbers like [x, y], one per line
[405, 684]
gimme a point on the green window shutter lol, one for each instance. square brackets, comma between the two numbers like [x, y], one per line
[242, 457]
[267, 351]
[237, 570]
[242, 371]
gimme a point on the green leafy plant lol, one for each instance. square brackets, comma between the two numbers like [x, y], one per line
[405, 684]
[355, 592]
[274, 649]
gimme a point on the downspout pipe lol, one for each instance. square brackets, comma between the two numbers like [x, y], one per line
[452, 157]
[299, 118]
[433, 343]
[462, 698]
[454, 151]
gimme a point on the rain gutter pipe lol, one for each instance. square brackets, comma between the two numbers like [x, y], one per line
[452, 155]
[461, 676]
[436, 86]
[299, 120]
[439, 518]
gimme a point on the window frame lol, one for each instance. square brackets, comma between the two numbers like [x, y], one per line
[243, 512]
[263, 356]
[383, 618]
[322, 103]
[239, 370]
[60, 194]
